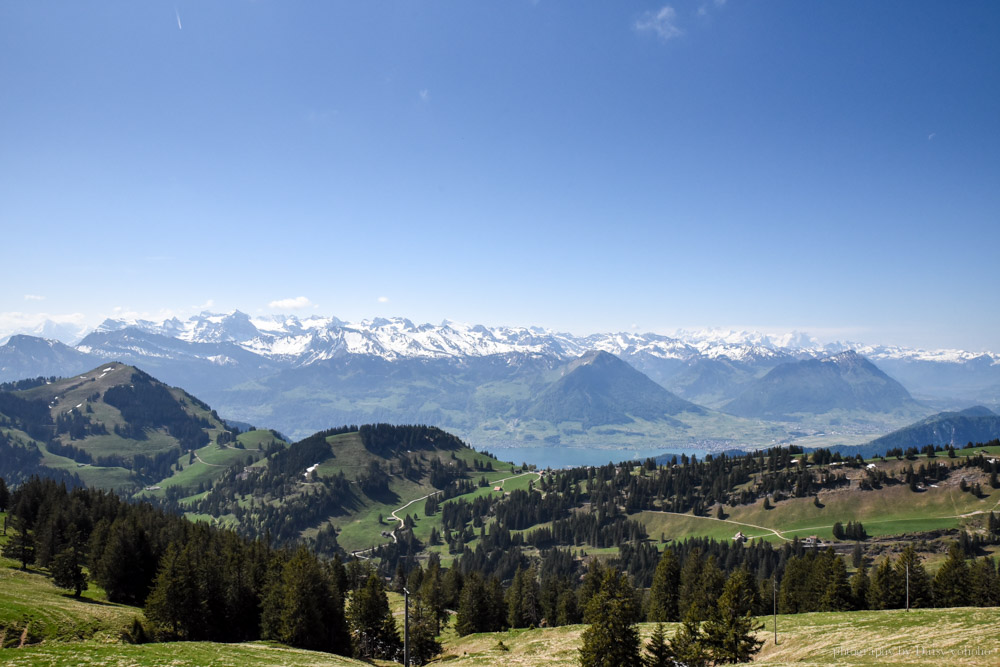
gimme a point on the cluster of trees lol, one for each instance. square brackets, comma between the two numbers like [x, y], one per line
[20, 460]
[388, 440]
[146, 404]
[78, 426]
[194, 582]
[716, 631]
[853, 531]
[31, 416]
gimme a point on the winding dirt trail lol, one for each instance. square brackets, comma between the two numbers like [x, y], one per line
[781, 533]
[735, 523]
[395, 513]
[498, 482]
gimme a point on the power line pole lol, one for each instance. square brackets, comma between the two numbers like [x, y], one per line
[907, 585]
[774, 595]
[406, 627]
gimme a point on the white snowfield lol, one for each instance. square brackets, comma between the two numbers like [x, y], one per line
[312, 339]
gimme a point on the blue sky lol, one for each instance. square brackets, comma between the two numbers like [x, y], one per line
[584, 166]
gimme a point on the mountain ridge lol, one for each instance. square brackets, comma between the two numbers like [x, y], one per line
[843, 381]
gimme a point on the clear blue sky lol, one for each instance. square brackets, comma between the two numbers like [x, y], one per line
[585, 166]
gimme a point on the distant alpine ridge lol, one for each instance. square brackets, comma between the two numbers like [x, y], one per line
[316, 338]
[522, 384]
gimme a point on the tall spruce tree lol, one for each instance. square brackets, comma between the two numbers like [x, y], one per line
[20, 543]
[886, 589]
[658, 652]
[67, 566]
[984, 583]
[731, 630]
[920, 591]
[303, 608]
[176, 605]
[423, 640]
[612, 640]
[951, 583]
[688, 644]
[860, 583]
[664, 593]
[4, 496]
[372, 625]
[837, 595]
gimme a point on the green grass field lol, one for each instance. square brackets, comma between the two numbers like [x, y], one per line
[176, 654]
[31, 606]
[892, 510]
[920, 637]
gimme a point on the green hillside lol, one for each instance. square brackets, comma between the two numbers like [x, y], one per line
[891, 510]
[116, 427]
[33, 608]
[334, 487]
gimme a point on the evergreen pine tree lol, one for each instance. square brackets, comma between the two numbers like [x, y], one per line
[20, 543]
[837, 596]
[886, 589]
[688, 644]
[920, 583]
[838, 530]
[663, 595]
[857, 556]
[983, 583]
[731, 630]
[372, 625]
[612, 640]
[423, 640]
[303, 608]
[591, 583]
[471, 606]
[658, 652]
[4, 496]
[860, 583]
[175, 606]
[951, 583]
[67, 573]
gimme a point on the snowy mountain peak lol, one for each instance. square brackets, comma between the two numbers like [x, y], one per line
[314, 338]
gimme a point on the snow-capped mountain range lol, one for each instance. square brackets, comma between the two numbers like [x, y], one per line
[496, 383]
[309, 340]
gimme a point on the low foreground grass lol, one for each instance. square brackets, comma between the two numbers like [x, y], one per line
[176, 654]
[33, 609]
[919, 637]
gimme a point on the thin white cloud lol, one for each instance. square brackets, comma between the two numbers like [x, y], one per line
[930, 137]
[290, 304]
[383, 299]
[425, 95]
[205, 306]
[178, 14]
[663, 22]
[33, 297]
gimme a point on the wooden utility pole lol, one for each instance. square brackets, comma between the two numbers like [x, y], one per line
[406, 627]
[907, 585]
[774, 595]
